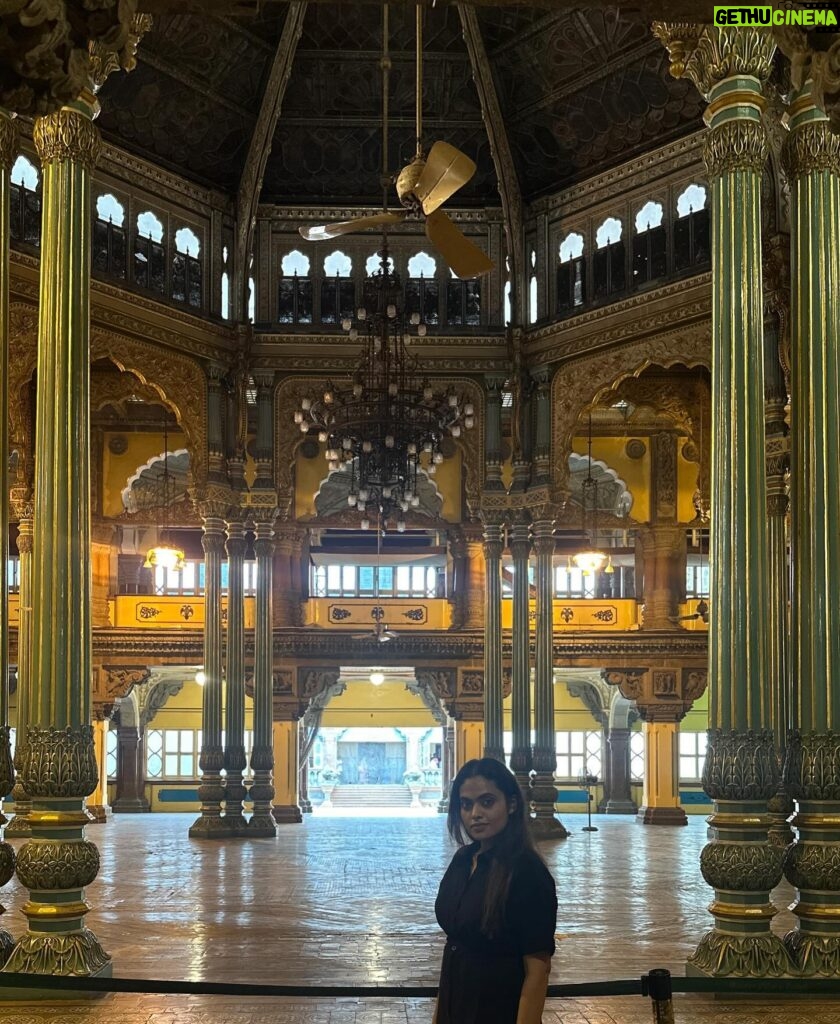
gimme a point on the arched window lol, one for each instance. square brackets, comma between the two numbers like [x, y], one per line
[25, 205]
[150, 254]
[225, 285]
[649, 259]
[421, 288]
[252, 299]
[295, 295]
[186, 268]
[691, 230]
[571, 273]
[608, 261]
[338, 291]
[109, 249]
[373, 264]
[463, 301]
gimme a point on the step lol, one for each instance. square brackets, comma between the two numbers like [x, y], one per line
[371, 796]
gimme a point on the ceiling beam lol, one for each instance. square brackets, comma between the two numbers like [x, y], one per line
[502, 158]
[678, 10]
[250, 184]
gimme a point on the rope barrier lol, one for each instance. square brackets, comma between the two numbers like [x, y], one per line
[657, 984]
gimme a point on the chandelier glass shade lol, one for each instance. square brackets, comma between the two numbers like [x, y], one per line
[164, 554]
[387, 428]
[591, 559]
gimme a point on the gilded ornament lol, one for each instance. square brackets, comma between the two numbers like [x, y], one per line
[8, 141]
[813, 866]
[747, 867]
[55, 864]
[67, 135]
[736, 146]
[812, 766]
[814, 954]
[811, 148]
[59, 762]
[680, 39]
[7, 771]
[749, 956]
[723, 53]
[7, 944]
[7, 862]
[78, 953]
[741, 766]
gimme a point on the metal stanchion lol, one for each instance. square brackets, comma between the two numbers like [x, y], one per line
[657, 985]
[587, 781]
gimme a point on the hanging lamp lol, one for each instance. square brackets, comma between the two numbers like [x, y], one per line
[592, 559]
[165, 555]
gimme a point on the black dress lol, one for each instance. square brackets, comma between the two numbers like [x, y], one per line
[481, 978]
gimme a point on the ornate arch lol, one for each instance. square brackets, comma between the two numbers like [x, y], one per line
[287, 397]
[580, 382]
[179, 381]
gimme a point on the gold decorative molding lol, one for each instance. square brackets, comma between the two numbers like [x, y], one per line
[810, 149]
[708, 55]
[738, 145]
[8, 141]
[67, 134]
[103, 60]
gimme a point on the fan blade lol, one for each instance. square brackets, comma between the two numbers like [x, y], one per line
[385, 637]
[447, 169]
[466, 259]
[344, 227]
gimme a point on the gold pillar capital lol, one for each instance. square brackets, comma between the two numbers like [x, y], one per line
[709, 55]
[737, 145]
[67, 134]
[810, 149]
[8, 140]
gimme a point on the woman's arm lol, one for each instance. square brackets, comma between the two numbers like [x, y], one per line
[532, 997]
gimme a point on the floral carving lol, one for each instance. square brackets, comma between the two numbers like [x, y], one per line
[78, 953]
[812, 766]
[810, 149]
[57, 865]
[67, 135]
[749, 956]
[813, 866]
[748, 867]
[736, 146]
[59, 762]
[741, 766]
[8, 142]
[7, 862]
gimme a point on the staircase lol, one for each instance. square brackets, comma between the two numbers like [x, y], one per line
[349, 795]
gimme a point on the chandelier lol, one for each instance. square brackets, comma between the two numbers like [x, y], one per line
[386, 430]
[164, 554]
[591, 559]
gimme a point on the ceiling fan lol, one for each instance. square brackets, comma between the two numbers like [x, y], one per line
[423, 185]
[380, 631]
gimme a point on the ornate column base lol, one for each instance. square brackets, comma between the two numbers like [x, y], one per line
[543, 797]
[660, 816]
[235, 793]
[781, 808]
[130, 805]
[288, 814]
[619, 807]
[211, 792]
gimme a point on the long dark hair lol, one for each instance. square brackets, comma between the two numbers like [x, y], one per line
[508, 845]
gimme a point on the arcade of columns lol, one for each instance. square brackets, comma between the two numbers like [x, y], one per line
[55, 758]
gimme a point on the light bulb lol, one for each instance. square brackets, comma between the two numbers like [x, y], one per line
[469, 409]
[328, 397]
[415, 501]
[387, 492]
[322, 436]
[455, 431]
[412, 448]
[298, 416]
[400, 526]
[353, 334]
[346, 323]
[201, 677]
[421, 331]
[365, 524]
[404, 505]
[389, 440]
[367, 446]
[452, 401]
[304, 428]
[391, 311]
[377, 678]
[351, 500]
[469, 422]
[306, 404]
[347, 443]
[437, 458]
[361, 313]
[363, 494]
[415, 318]
[427, 446]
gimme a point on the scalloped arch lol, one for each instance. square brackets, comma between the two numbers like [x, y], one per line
[580, 382]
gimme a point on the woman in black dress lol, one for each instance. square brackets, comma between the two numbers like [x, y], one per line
[497, 904]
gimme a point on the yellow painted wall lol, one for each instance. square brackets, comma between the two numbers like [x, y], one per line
[363, 704]
[687, 484]
[311, 473]
[634, 472]
[116, 469]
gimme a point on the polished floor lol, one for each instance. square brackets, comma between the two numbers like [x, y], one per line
[341, 900]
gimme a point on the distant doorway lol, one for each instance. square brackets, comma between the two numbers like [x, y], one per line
[372, 764]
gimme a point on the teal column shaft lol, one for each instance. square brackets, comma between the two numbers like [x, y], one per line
[739, 579]
[493, 739]
[545, 756]
[263, 659]
[815, 422]
[211, 711]
[520, 548]
[235, 675]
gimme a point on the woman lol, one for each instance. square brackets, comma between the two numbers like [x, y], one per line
[497, 904]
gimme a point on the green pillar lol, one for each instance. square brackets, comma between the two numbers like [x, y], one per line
[211, 792]
[493, 434]
[19, 827]
[741, 773]
[493, 544]
[812, 766]
[520, 709]
[543, 790]
[234, 745]
[58, 764]
[541, 378]
[8, 151]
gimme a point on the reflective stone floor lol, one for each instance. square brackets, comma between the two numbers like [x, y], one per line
[342, 900]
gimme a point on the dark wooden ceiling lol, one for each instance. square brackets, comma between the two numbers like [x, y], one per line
[579, 91]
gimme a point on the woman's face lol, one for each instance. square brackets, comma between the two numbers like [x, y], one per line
[484, 809]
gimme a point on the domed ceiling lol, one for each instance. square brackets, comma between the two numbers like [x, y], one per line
[578, 91]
